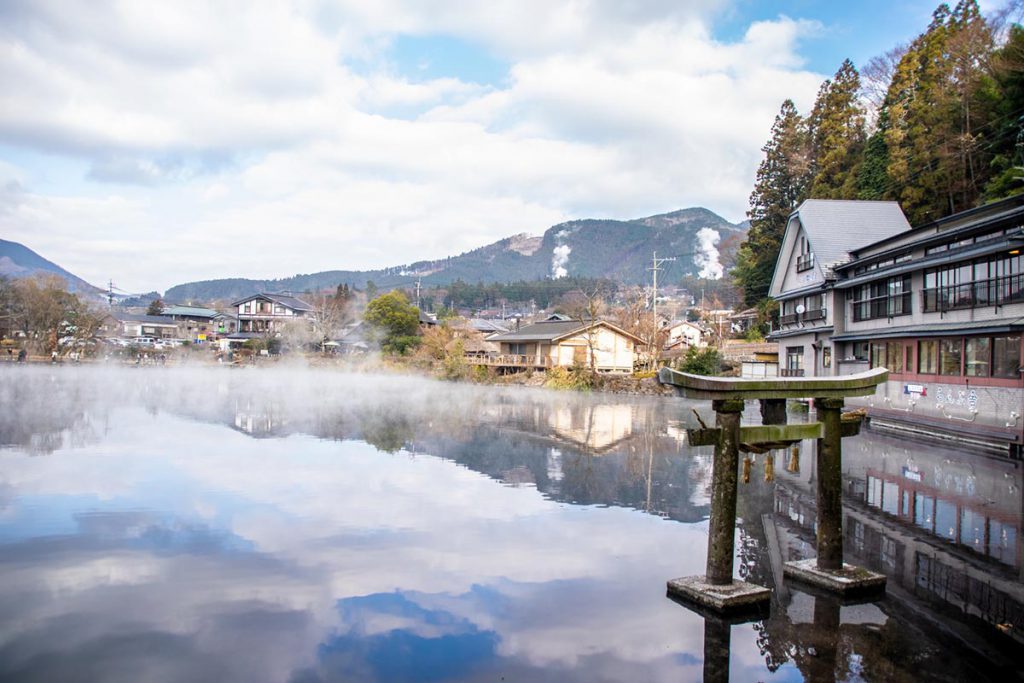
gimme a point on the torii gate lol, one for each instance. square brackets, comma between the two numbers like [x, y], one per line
[717, 589]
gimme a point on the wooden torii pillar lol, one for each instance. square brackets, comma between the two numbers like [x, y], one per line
[717, 589]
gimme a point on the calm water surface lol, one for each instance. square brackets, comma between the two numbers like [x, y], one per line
[293, 525]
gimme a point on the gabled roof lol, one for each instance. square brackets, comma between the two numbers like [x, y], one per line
[835, 227]
[555, 330]
[291, 302]
[484, 325]
[141, 318]
[190, 311]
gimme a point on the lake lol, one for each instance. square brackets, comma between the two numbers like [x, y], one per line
[288, 524]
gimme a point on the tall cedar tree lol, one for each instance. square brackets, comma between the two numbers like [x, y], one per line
[836, 136]
[1007, 137]
[936, 162]
[781, 183]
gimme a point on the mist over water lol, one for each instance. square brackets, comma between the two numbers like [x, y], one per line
[305, 525]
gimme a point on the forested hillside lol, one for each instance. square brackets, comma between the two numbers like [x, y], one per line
[616, 250]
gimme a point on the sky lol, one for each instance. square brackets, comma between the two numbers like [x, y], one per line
[156, 143]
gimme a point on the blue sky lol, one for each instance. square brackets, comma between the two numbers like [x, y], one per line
[158, 143]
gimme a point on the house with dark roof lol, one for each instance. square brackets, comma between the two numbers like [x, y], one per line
[267, 313]
[140, 325]
[566, 342]
[195, 322]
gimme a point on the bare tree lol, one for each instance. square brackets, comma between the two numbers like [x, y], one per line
[586, 305]
[329, 314]
[876, 75]
[636, 317]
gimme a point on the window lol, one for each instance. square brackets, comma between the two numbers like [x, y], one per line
[1006, 357]
[886, 298]
[826, 357]
[992, 281]
[950, 355]
[794, 361]
[979, 357]
[928, 357]
[888, 355]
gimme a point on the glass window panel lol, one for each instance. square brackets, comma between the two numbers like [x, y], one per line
[1002, 543]
[927, 357]
[890, 497]
[894, 357]
[906, 504]
[972, 530]
[945, 519]
[924, 511]
[1006, 357]
[950, 355]
[878, 355]
[979, 357]
[874, 492]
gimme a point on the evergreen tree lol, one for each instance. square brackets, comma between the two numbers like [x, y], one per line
[935, 162]
[781, 184]
[1007, 137]
[836, 136]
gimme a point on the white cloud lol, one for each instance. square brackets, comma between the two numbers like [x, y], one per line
[225, 129]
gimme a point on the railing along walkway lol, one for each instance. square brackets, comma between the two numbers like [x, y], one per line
[507, 360]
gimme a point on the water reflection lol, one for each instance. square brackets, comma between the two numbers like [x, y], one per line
[262, 525]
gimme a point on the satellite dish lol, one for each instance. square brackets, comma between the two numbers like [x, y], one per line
[800, 309]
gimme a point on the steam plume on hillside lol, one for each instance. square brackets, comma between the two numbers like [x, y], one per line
[560, 257]
[707, 257]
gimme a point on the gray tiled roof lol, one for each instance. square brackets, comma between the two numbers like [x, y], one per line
[551, 330]
[837, 226]
[484, 325]
[192, 311]
[543, 331]
[141, 318]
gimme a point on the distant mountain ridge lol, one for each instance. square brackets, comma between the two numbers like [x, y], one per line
[17, 260]
[619, 250]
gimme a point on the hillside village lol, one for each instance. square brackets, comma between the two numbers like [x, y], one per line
[603, 329]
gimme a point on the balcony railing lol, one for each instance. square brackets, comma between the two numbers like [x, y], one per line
[810, 316]
[996, 291]
[510, 360]
[814, 314]
[881, 307]
[804, 262]
[791, 372]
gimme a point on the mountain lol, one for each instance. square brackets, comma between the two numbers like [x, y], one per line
[619, 250]
[17, 260]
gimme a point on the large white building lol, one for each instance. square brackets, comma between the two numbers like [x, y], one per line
[940, 305]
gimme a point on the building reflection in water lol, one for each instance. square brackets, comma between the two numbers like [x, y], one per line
[944, 525]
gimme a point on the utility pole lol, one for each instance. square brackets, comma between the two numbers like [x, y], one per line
[110, 293]
[655, 267]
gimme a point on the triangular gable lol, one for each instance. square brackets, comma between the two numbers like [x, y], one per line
[786, 278]
[599, 323]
